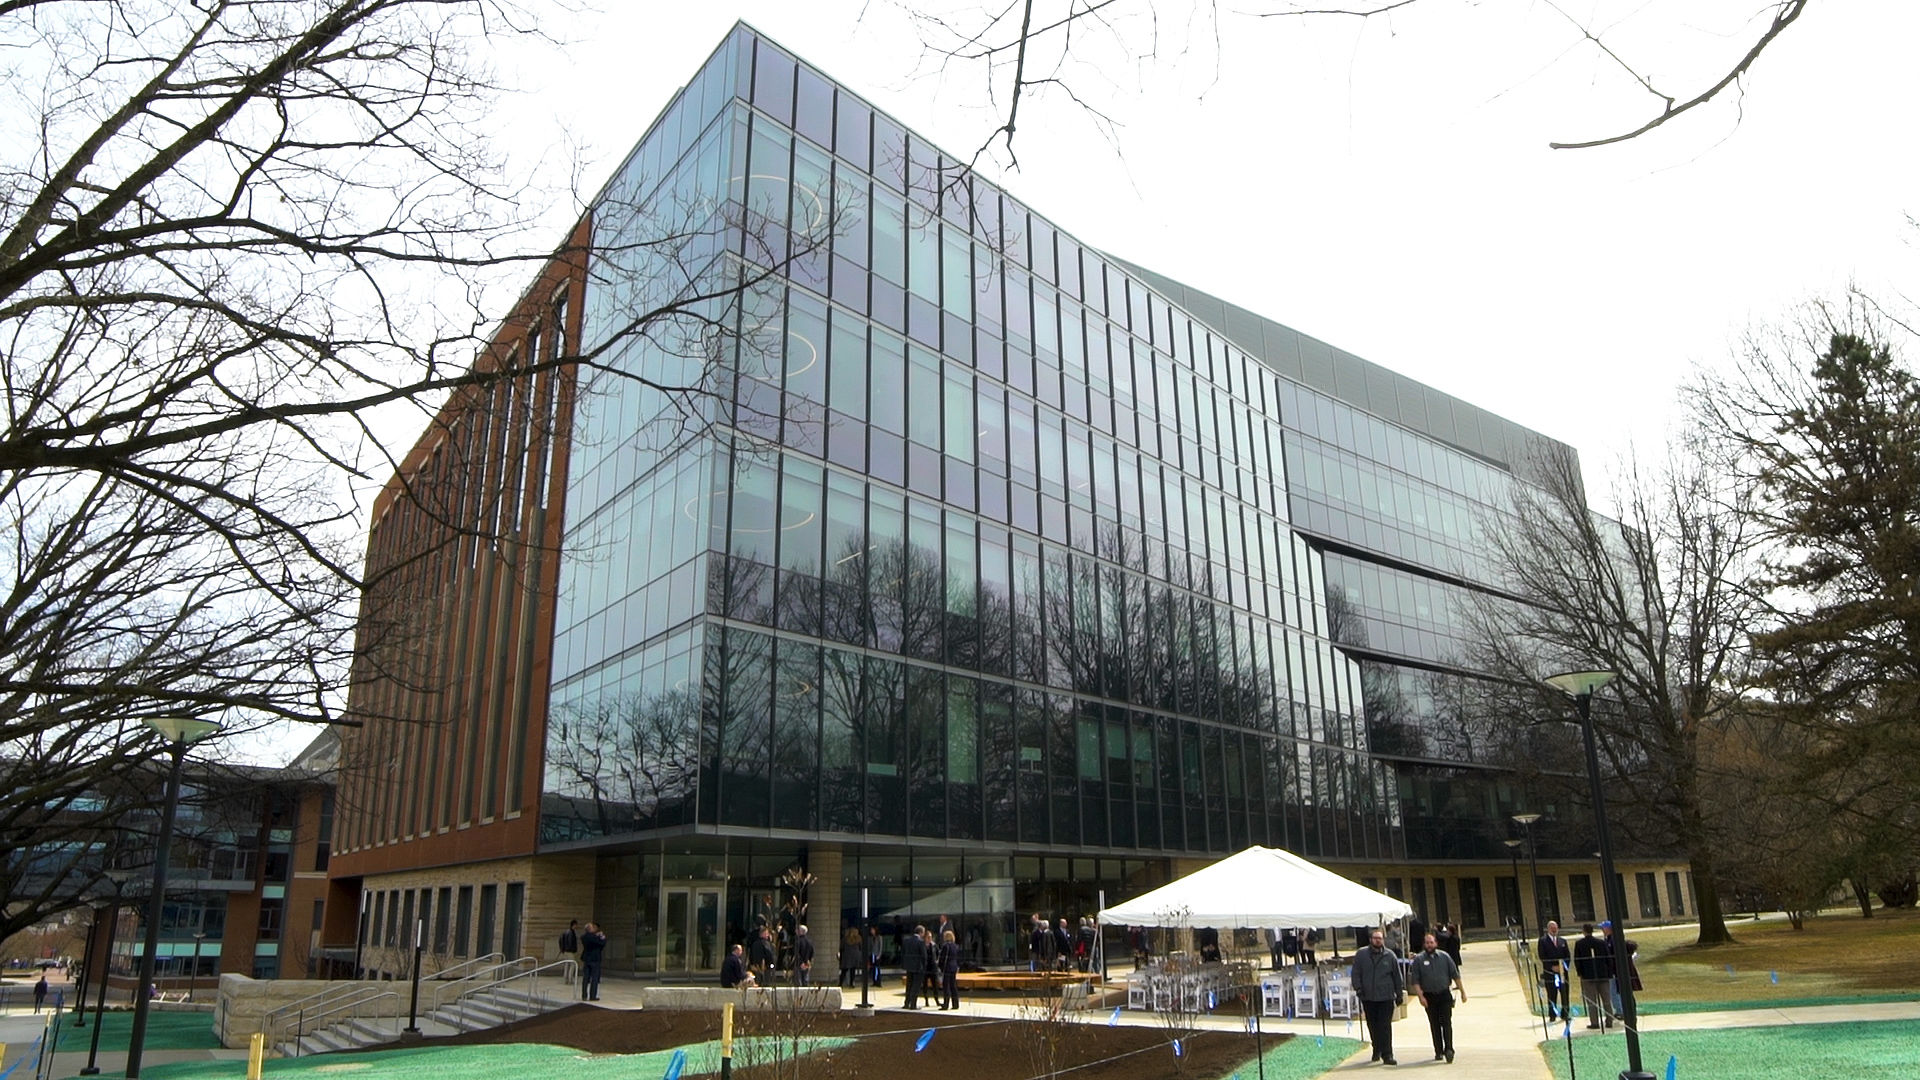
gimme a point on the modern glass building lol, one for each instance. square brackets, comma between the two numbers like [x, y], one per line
[952, 559]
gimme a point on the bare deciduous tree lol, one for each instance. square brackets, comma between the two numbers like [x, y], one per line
[1661, 597]
[239, 241]
[1033, 49]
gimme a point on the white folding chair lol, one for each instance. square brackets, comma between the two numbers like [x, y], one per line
[1139, 993]
[1306, 997]
[1339, 998]
[1273, 997]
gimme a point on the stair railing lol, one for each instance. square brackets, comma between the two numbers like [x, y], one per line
[344, 1012]
[274, 1024]
[566, 971]
[455, 988]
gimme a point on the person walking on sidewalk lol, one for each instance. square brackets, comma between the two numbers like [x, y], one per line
[1434, 976]
[1376, 981]
[39, 993]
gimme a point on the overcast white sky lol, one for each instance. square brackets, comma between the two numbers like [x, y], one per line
[1387, 186]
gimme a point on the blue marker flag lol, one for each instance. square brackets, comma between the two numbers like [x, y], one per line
[924, 1040]
[1673, 1066]
[1177, 1051]
[1210, 1001]
[1320, 1041]
[1579, 1010]
[674, 1064]
[1729, 971]
[1775, 976]
[1114, 1020]
[1568, 1032]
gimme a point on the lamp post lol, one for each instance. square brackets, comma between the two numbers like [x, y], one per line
[193, 973]
[119, 879]
[413, 1004]
[86, 970]
[180, 733]
[1580, 685]
[1533, 867]
[1519, 909]
[866, 956]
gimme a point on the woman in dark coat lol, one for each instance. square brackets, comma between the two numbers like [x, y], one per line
[949, 972]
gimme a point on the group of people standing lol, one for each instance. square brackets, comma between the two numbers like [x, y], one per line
[1058, 948]
[587, 948]
[1591, 960]
[931, 961]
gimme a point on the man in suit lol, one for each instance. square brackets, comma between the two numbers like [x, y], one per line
[1553, 954]
[913, 960]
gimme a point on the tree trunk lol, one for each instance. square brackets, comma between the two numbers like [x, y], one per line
[1706, 898]
[1863, 895]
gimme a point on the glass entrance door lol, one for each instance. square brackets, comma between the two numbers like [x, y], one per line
[690, 928]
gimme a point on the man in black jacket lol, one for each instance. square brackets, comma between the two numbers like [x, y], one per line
[1042, 944]
[733, 970]
[1376, 982]
[913, 961]
[1553, 954]
[1593, 963]
[760, 956]
[802, 957]
[593, 944]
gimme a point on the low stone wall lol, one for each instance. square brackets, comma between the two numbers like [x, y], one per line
[244, 1003]
[711, 998]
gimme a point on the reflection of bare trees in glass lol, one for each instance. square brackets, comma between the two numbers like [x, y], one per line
[628, 762]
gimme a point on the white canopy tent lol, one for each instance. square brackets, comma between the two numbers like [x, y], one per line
[1260, 887]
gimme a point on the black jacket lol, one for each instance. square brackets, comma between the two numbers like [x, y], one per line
[1593, 958]
[1553, 954]
[913, 954]
[592, 944]
[760, 952]
[733, 970]
[802, 950]
[1376, 975]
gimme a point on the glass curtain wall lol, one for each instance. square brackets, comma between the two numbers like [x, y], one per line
[964, 536]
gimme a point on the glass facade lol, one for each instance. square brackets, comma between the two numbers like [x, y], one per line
[948, 534]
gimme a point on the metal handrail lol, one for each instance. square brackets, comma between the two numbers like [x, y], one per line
[491, 974]
[274, 1023]
[456, 972]
[351, 1008]
[567, 969]
[273, 1017]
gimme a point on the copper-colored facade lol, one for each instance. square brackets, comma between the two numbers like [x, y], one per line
[451, 665]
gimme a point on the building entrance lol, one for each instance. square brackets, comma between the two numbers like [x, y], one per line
[690, 928]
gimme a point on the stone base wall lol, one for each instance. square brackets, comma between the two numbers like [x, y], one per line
[711, 998]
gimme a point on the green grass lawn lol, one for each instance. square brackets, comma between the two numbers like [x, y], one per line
[1839, 958]
[1875, 1050]
[1299, 1058]
[511, 1061]
[165, 1031]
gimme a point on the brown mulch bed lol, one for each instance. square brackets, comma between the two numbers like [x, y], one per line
[964, 1048]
